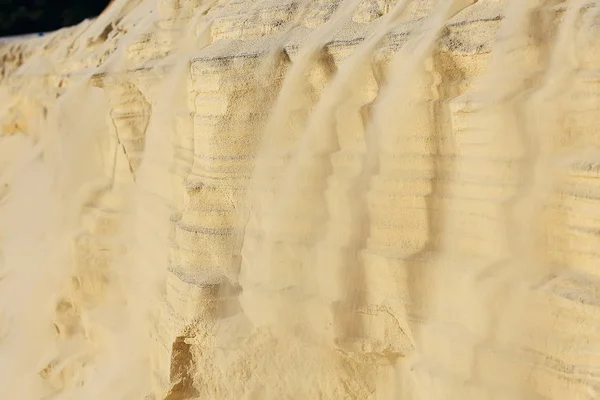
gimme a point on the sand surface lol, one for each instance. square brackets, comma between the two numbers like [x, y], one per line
[315, 199]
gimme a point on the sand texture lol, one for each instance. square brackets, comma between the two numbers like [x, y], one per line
[303, 199]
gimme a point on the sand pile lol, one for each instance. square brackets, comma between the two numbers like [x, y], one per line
[316, 199]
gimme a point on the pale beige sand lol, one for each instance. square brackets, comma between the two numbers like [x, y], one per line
[319, 199]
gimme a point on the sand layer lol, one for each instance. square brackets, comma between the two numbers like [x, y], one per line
[315, 199]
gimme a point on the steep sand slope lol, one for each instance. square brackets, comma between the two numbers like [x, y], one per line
[317, 199]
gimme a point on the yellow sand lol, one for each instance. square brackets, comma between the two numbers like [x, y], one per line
[316, 199]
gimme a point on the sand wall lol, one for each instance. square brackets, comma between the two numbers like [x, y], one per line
[320, 199]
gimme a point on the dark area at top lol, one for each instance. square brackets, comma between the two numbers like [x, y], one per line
[18, 17]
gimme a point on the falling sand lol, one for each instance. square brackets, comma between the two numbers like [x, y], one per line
[314, 199]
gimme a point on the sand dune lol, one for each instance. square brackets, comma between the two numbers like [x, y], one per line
[317, 199]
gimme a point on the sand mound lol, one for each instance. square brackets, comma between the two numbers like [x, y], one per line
[320, 199]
